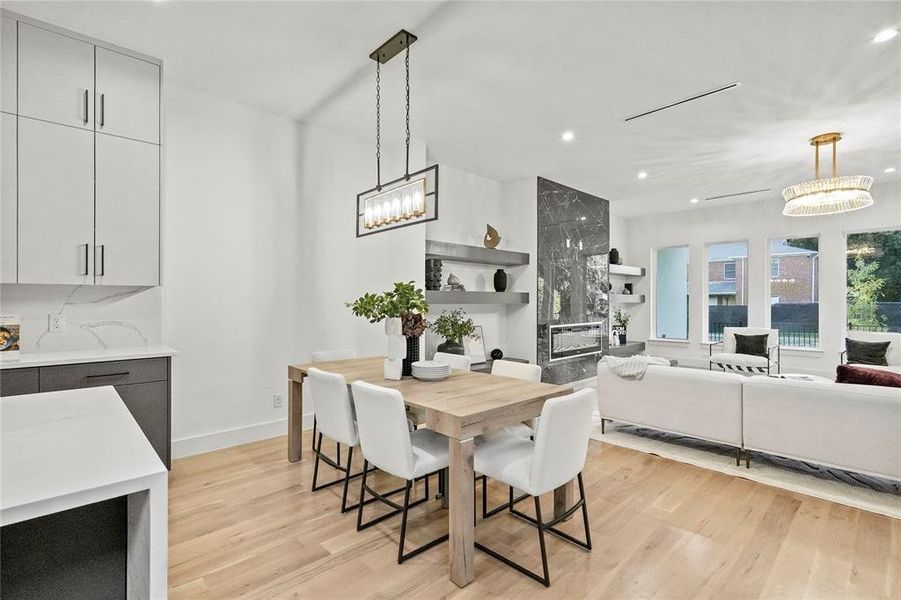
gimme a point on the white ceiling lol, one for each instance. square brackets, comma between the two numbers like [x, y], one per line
[495, 83]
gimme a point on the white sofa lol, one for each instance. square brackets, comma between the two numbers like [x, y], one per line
[701, 404]
[892, 355]
[852, 427]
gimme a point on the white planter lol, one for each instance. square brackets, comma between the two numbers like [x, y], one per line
[394, 327]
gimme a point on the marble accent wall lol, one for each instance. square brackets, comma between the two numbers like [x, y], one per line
[573, 247]
[96, 316]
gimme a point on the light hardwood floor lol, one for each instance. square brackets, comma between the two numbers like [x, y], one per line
[243, 523]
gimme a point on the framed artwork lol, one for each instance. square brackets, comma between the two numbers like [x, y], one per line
[9, 337]
[475, 349]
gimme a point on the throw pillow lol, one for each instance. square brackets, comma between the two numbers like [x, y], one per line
[866, 353]
[755, 345]
[864, 376]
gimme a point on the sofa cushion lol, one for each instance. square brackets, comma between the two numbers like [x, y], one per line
[864, 376]
[866, 353]
[755, 345]
[739, 360]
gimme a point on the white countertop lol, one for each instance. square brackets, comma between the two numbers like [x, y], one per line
[46, 359]
[66, 449]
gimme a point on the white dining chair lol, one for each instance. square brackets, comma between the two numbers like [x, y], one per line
[555, 458]
[456, 361]
[335, 414]
[320, 356]
[389, 445]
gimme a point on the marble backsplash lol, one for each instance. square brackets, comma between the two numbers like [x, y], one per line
[97, 317]
[573, 247]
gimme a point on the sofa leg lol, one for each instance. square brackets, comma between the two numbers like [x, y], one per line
[603, 422]
[738, 457]
[747, 459]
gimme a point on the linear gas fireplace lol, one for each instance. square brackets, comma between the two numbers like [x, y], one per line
[576, 339]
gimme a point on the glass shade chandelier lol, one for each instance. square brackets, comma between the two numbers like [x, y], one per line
[407, 200]
[827, 196]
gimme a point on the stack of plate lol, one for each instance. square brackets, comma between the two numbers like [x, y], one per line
[430, 370]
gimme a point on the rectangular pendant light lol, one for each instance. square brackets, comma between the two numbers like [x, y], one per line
[399, 203]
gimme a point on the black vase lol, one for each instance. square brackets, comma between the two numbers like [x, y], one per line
[500, 281]
[614, 256]
[412, 356]
[622, 339]
[451, 347]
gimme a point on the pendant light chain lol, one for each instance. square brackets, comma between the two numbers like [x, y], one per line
[378, 124]
[407, 63]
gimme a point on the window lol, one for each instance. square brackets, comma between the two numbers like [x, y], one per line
[796, 311]
[727, 288]
[729, 271]
[774, 267]
[874, 281]
[671, 291]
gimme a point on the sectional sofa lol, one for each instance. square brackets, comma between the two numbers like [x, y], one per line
[851, 427]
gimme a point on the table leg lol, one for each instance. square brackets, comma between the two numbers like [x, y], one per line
[460, 516]
[564, 497]
[295, 419]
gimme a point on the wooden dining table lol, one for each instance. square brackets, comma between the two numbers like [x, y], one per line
[464, 405]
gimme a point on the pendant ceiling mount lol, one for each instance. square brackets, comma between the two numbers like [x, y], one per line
[412, 198]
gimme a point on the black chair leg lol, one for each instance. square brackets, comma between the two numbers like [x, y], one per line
[547, 577]
[316, 462]
[506, 506]
[403, 524]
[313, 439]
[350, 457]
[585, 514]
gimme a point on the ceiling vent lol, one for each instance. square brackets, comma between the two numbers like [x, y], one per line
[736, 194]
[684, 101]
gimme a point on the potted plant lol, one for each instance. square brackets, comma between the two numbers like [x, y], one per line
[453, 326]
[621, 319]
[403, 310]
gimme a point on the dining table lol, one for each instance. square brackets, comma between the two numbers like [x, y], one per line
[462, 406]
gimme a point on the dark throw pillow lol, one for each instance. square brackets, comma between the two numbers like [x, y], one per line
[864, 376]
[866, 353]
[755, 345]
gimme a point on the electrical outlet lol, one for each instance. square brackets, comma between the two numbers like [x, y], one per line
[57, 323]
[278, 400]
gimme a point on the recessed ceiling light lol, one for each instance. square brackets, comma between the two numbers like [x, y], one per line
[642, 175]
[890, 170]
[567, 136]
[885, 35]
[581, 218]
[694, 200]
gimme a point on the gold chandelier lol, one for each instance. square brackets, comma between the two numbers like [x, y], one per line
[827, 196]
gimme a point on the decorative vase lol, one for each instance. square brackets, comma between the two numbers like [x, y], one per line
[412, 356]
[622, 338]
[614, 256]
[451, 347]
[397, 349]
[500, 281]
[497, 354]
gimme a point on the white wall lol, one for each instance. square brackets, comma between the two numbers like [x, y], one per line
[755, 222]
[231, 263]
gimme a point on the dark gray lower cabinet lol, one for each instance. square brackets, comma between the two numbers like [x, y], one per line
[143, 384]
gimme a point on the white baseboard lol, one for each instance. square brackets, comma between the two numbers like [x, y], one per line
[226, 438]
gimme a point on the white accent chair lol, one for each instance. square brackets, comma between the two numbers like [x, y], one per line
[729, 360]
[334, 412]
[320, 356]
[892, 354]
[456, 361]
[556, 457]
[388, 444]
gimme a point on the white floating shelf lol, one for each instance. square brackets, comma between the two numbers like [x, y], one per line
[439, 297]
[627, 298]
[475, 254]
[627, 271]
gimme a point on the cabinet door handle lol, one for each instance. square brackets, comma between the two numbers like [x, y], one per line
[122, 374]
[86, 247]
[102, 271]
[102, 111]
[86, 107]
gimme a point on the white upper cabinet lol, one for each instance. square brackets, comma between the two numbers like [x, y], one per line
[127, 101]
[56, 204]
[56, 77]
[8, 200]
[8, 66]
[127, 212]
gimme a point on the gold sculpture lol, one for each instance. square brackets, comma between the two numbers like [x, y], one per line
[492, 237]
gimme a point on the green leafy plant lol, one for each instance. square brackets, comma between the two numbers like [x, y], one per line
[454, 326]
[405, 301]
[621, 318]
[864, 288]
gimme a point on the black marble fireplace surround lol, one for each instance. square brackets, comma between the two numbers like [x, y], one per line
[573, 243]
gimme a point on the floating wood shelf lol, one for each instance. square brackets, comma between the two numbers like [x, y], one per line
[439, 297]
[627, 298]
[475, 254]
[627, 271]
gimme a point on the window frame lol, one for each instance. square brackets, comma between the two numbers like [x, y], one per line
[734, 265]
